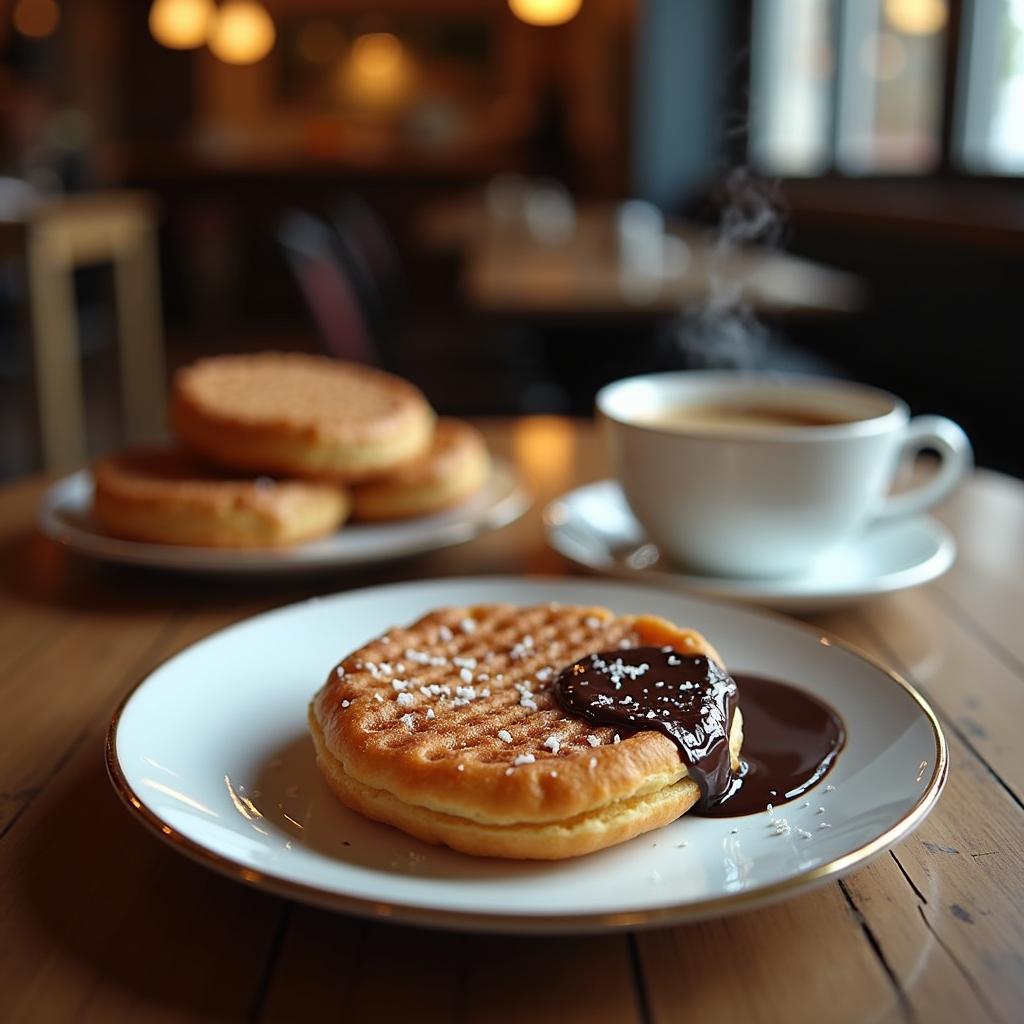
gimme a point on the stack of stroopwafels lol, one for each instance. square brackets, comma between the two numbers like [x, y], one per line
[448, 730]
[276, 448]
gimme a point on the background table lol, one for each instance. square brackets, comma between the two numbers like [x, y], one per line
[101, 922]
[508, 271]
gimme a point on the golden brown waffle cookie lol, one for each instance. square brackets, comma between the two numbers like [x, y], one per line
[456, 466]
[447, 729]
[300, 415]
[166, 496]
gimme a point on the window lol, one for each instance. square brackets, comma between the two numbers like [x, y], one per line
[860, 86]
[991, 104]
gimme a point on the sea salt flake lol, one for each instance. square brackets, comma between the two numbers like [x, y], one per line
[824, 824]
[399, 684]
[593, 741]
[820, 810]
[504, 735]
[444, 634]
[340, 671]
[407, 721]
[468, 625]
[430, 713]
[593, 763]
[508, 771]
[523, 759]
[616, 738]
[592, 622]
[465, 675]
[378, 697]
[460, 767]
[553, 743]
[405, 699]
[345, 703]
[830, 788]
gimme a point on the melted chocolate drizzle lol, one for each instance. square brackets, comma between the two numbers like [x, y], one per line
[791, 739]
[688, 698]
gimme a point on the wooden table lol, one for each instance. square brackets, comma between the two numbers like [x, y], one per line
[507, 270]
[100, 922]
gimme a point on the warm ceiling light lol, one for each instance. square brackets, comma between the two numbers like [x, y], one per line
[36, 18]
[916, 17]
[545, 12]
[379, 70]
[180, 24]
[242, 33]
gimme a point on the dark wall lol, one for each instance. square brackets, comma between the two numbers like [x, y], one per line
[942, 327]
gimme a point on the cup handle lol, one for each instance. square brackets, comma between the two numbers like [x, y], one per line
[955, 460]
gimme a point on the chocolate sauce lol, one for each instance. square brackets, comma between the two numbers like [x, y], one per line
[791, 739]
[689, 699]
[790, 742]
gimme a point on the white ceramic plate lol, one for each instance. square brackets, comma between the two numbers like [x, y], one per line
[64, 515]
[211, 751]
[594, 527]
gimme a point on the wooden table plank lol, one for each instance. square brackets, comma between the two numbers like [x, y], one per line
[985, 584]
[381, 972]
[962, 871]
[805, 960]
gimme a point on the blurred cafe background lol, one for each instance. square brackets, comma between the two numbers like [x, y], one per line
[510, 202]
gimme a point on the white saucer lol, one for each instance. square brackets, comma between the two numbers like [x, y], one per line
[64, 515]
[212, 753]
[593, 526]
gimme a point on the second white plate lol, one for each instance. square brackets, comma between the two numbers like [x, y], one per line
[212, 753]
[64, 515]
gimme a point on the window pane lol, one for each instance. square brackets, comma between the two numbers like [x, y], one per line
[891, 85]
[992, 106]
[792, 76]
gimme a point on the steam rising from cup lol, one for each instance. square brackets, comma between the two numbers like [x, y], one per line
[722, 330]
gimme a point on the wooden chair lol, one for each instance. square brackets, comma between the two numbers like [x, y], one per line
[311, 249]
[52, 238]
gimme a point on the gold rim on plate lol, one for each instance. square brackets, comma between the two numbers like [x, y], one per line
[551, 923]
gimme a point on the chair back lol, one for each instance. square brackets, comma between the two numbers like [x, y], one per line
[327, 285]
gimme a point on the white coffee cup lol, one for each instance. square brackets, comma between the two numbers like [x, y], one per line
[757, 475]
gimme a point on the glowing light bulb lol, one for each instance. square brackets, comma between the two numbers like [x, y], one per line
[545, 12]
[917, 17]
[181, 24]
[378, 71]
[243, 32]
[36, 19]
